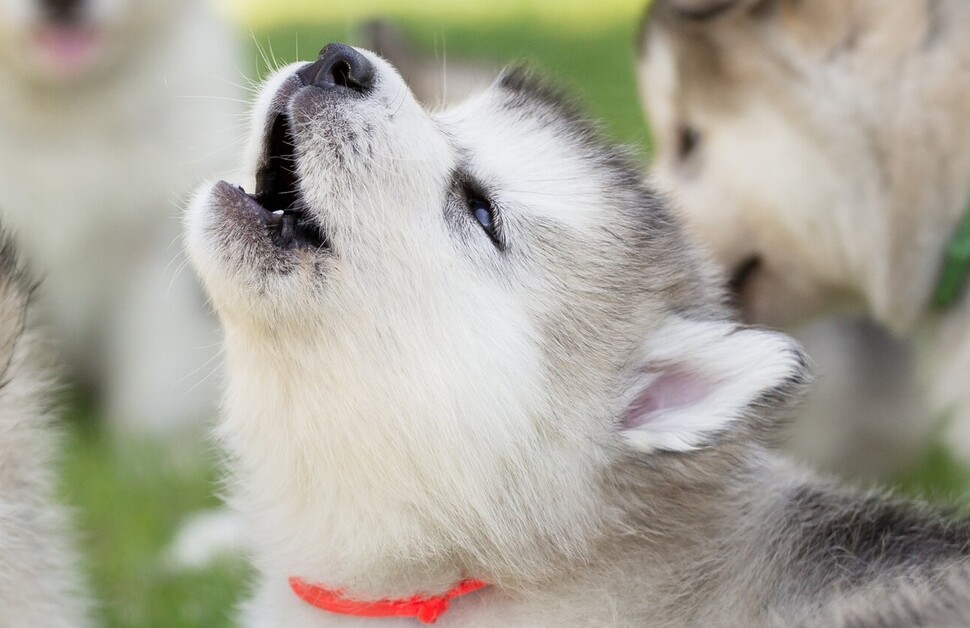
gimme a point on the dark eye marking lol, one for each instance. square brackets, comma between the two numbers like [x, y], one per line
[474, 201]
[688, 139]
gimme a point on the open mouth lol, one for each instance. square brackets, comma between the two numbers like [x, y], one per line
[278, 196]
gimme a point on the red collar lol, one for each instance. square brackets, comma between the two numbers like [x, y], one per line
[426, 610]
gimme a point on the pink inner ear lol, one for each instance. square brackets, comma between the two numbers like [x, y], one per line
[670, 390]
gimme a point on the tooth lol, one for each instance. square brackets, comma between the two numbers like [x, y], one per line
[278, 212]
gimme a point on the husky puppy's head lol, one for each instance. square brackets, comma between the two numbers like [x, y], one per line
[67, 41]
[813, 145]
[457, 321]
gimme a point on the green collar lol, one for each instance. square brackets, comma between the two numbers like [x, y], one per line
[956, 266]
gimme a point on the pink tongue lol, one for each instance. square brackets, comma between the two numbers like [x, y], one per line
[66, 48]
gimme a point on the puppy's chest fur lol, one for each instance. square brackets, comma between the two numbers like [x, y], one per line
[349, 522]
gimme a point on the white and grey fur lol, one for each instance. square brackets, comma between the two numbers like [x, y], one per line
[856, 421]
[566, 411]
[94, 165]
[828, 141]
[40, 584]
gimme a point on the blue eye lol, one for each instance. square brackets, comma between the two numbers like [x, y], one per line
[482, 212]
[485, 216]
[480, 208]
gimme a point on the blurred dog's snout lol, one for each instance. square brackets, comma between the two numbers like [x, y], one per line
[63, 10]
[340, 66]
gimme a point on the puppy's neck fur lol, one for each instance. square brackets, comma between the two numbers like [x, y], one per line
[394, 518]
[380, 514]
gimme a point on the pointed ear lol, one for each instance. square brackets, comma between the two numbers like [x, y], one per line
[696, 380]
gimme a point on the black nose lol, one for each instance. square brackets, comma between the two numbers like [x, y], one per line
[340, 67]
[62, 11]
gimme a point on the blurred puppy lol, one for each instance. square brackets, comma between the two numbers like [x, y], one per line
[39, 584]
[473, 362]
[819, 148]
[109, 112]
[434, 79]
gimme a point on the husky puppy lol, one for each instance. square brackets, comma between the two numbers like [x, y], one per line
[109, 112]
[472, 348]
[39, 585]
[819, 149]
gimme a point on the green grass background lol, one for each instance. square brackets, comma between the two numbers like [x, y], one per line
[131, 497]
